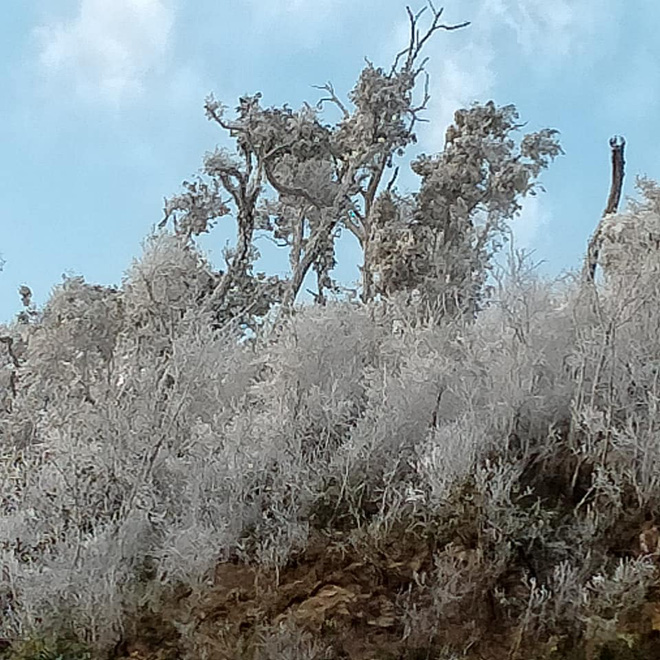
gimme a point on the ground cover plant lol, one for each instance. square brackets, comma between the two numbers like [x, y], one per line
[461, 462]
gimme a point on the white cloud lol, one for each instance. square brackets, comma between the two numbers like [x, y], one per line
[550, 32]
[108, 49]
[459, 79]
[539, 25]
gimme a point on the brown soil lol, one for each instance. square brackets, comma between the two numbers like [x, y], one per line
[344, 593]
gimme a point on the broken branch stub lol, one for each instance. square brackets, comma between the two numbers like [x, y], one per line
[617, 145]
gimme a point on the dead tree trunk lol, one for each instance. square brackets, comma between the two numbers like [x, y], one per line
[617, 144]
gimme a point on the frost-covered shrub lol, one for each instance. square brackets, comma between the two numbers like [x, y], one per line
[170, 279]
[143, 442]
[69, 351]
[631, 238]
[524, 440]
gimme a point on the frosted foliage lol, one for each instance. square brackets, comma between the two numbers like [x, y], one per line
[383, 102]
[169, 278]
[196, 210]
[317, 349]
[213, 450]
[623, 590]
[631, 239]
[510, 427]
[444, 244]
[94, 470]
[595, 602]
[306, 182]
[450, 455]
[70, 352]
[86, 316]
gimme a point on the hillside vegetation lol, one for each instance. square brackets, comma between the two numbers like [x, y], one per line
[462, 463]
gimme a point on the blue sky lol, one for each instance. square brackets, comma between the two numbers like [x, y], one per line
[102, 117]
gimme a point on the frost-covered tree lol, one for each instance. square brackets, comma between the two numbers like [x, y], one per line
[442, 239]
[304, 181]
[237, 291]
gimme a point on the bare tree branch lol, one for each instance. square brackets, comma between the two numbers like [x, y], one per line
[331, 99]
[285, 189]
[298, 232]
[414, 112]
[355, 222]
[280, 244]
[325, 226]
[416, 42]
[319, 298]
[254, 181]
[212, 113]
[374, 182]
[393, 179]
